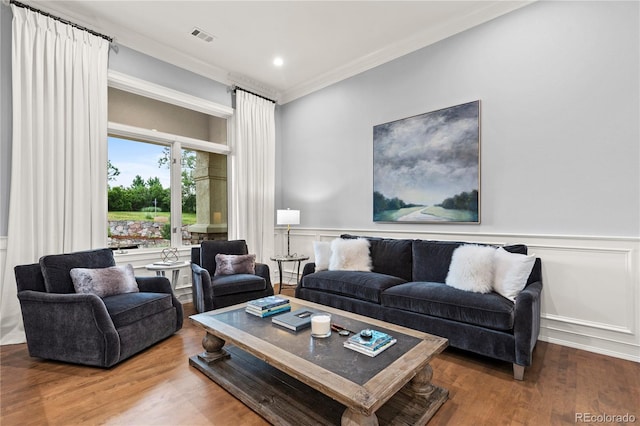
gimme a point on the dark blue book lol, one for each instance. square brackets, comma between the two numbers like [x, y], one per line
[294, 321]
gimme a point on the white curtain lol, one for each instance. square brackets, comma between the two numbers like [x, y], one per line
[58, 200]
[253, 174]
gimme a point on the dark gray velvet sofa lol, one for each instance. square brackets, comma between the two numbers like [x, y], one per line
[63, 325]
[406, 287]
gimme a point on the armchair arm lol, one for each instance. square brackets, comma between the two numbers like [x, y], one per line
[263, 271]
[202, 292]
[526, 326]
[69, 327]
[162, 285]
[154, 284]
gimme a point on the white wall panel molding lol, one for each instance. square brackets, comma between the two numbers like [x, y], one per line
[591, 294]
[138, 258]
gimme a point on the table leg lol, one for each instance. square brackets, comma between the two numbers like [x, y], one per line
[421, 383]
[175, 276]
[298, 273]
[213, 350]
[280, 272]
[353, 418]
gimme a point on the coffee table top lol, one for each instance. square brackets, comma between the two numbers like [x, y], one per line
[353, 379]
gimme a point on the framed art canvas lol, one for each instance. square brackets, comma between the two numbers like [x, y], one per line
[426, 168]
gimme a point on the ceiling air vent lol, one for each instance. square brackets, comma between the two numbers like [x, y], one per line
[197, 32]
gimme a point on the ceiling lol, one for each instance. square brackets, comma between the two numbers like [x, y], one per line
[320, 42]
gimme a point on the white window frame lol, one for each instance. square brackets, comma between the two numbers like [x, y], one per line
[176, 143]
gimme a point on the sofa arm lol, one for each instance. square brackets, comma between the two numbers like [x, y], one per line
[162, 285]
[202, 293]
[309, 268]
[69, 327]
[526, 326]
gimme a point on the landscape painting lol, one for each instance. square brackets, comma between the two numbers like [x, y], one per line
[426, 168]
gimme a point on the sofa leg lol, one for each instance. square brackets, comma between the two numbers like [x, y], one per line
[518, 372]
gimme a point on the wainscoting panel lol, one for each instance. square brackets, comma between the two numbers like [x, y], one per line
[591, 294]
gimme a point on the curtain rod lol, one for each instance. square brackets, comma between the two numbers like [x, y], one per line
[253, 93]
[64, 21]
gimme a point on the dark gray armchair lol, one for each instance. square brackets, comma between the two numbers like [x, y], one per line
[212, 291]
[63, 325]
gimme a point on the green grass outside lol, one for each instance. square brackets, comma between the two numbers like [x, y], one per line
[187, 218]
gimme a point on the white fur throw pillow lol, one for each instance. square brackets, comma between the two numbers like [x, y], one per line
[512, 272]
[472, 268]
[350, 255]
[322, 254]
[104, 282]
[230, 264]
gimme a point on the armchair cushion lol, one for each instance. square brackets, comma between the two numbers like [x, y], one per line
[56, 269]
[209, 250]
[223, 285]
[229, 264]
[125, 309]
[104, 282]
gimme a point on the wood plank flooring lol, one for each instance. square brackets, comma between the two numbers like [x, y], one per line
[158, 387]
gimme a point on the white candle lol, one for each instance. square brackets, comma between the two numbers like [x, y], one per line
[321, 325]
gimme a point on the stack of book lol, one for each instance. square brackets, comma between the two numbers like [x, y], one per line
[267, 306]
[371, 346]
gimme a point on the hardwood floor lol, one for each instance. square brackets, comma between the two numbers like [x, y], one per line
[157, 387]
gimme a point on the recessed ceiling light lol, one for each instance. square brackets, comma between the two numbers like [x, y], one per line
[278, 61]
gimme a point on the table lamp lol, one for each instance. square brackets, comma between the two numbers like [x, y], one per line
[288, 217]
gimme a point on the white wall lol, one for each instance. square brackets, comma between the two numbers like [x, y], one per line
[560, 155]
[559, 90]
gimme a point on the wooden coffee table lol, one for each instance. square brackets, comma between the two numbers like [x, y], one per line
[293, 378]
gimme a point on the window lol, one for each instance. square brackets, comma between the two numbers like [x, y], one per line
[139, 196]
[167, 167]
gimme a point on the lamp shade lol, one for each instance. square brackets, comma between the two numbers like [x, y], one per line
[288, 217]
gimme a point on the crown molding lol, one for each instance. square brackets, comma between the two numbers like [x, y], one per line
[487, 11]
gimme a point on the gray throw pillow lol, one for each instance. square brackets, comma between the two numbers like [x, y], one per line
[104, 282]
[229, 264]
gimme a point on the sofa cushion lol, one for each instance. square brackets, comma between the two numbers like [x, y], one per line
[56, 268]
[361, 285]
[322, 254]
[472, 268]
[392, 257]
[128, 308]
[350, 255]
[104, 282]
[223, 285]
[389, 256]
[440, 300]
[511, 272]
[431, 259]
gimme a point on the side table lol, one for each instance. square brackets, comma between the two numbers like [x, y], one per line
[292, 258]
[162, 267]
